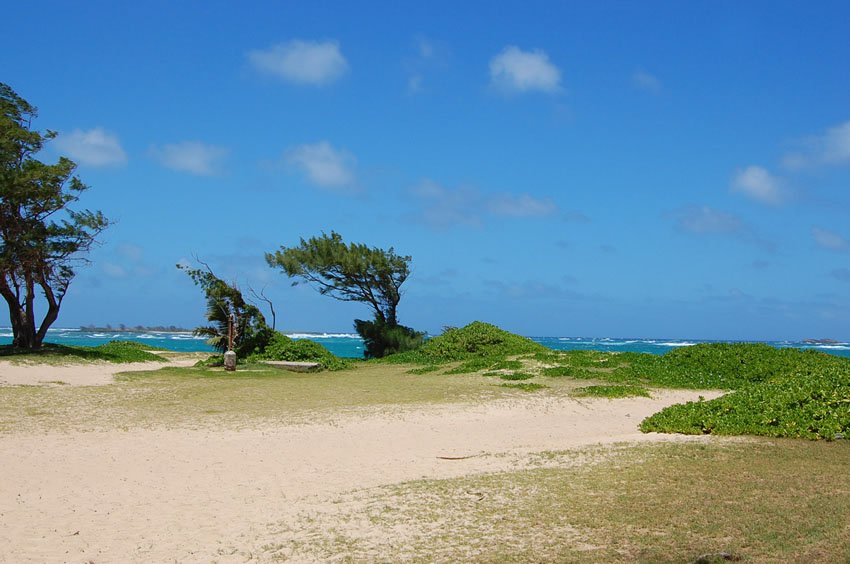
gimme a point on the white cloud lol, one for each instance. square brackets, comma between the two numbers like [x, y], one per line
[515, 70]
[830, 240]
[646, 82]
[323, 165]
[521, 206]
[757, 183]
[830, 148]
[303, 62]
[95, 147]
[191, 156]
[704, 219]
[445, 207]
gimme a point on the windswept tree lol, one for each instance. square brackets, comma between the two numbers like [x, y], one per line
[234, 321]
[355, 273]
[42, 240]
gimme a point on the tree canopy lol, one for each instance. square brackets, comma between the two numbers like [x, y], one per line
[42, 240]
[232, 317]
[348, 272]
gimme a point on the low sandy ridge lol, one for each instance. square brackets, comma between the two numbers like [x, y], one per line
[214, 494]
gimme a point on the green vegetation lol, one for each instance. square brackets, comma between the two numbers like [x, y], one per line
[516, 376]
[613, 391]
[355, 273]
[478, 343]
[774, 392]
[806, 404]
[758, 501]
[525, 386]
[236, 324]
[113, 351]
[281, 347]
[42, 240]
[255, 395]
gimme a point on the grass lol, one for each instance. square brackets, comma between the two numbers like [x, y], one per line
[253, 395]
[113, 351]
[612, 391]
[762, 501]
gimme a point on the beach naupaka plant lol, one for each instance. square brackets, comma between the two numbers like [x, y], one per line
[236, 324]
[354, 272]
[42, 240]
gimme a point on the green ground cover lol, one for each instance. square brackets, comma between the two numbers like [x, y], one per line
[113, 351]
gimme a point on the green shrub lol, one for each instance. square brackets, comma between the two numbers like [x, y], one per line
[805, 404]
[281, 347]
[381, 339]
[477, 339]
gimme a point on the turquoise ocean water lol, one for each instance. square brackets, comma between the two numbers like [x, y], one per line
[351, 346]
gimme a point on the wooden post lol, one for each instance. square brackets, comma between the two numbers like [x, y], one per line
[230, 356]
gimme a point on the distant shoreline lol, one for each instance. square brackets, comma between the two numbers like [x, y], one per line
[136, 329]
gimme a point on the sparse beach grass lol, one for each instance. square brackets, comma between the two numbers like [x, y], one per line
[756, 500]
[119, 352]
[254, 394]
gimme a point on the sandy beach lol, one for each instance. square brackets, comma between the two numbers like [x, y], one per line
[212, 494]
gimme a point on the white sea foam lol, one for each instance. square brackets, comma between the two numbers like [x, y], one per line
[681, 344]
[322, 335]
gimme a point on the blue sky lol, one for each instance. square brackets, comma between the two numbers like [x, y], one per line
[653, 169]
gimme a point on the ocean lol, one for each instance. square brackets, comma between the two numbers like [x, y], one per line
[351, 346]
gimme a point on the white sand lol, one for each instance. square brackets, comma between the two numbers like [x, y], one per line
[90, 374]
[212, 495]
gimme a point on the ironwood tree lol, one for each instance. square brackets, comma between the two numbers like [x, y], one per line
[42, 240]
[354, 272]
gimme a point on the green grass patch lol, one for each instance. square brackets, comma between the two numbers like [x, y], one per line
[113, 351]
[425, 369]
[516, 376]
[612, 391]
[525, 386]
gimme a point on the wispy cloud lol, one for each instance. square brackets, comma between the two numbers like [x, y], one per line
[842, 274]
[830, 240]
[429, 54]
[708, 221]
[193, 157]
[302, 62]
[523, 205]
[323, 165]
[830, 148]
[94, 147]
[515, 70]
[702, 220]
[758, 184]
[642, 80]
[442, 207]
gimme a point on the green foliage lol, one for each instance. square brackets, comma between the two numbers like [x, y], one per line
[381, 339]
[281, 347]
[516, 376]
[474, 343]
[811, 404]
[228, 312]
[525, 386]
[347, 272]
[613, 391]
[113, 351]
[42, 240]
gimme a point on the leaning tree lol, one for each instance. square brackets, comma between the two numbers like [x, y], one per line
[42, 240]
[355, 273]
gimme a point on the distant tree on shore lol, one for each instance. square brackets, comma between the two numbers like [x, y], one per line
[41, 239]
[355, 273]
[230, 315]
